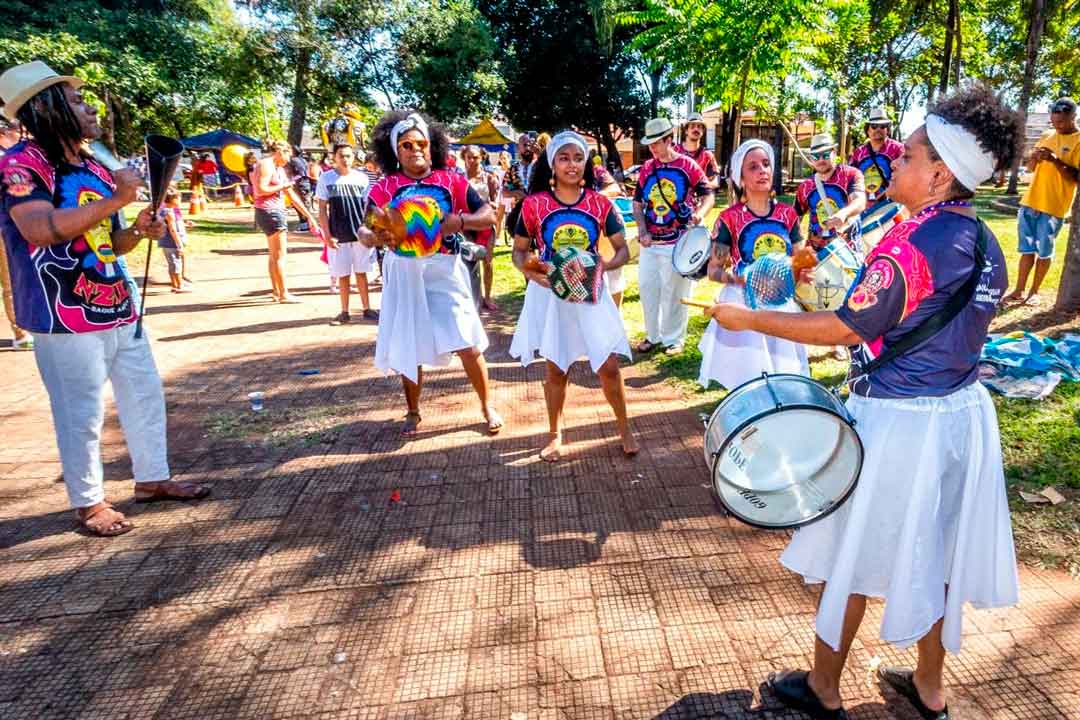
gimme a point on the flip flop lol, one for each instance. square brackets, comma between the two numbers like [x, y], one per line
[412, 422]
[646, 346]
[901, 680]
[170, 490]
[792, 689]
[494, 422]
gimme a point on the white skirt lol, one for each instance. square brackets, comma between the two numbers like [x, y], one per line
[930, 510]
[732, 358]
[563, 332]
[427, 313]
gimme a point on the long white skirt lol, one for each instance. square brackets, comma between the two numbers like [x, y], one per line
[732, 358]
[427, 313]
[563, 332]
[930, 510]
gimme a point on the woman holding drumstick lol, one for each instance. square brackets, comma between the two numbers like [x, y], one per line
[427, 313]
[936, 536]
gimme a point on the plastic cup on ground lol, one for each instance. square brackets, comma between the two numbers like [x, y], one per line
[256, 399]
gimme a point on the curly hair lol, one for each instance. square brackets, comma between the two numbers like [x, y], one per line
[540, 180]
[998, 128]
[386, 154]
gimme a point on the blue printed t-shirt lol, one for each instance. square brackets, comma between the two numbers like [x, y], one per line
[909, 276]
[750, 236]
[555, 225]
[844, 182]
[876, 167]
[668, 193]
[76, 286]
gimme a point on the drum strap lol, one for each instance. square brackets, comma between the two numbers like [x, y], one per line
[935, 323]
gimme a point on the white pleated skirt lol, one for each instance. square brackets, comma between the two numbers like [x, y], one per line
[930, 510]
[732, 358]
[427, 313]
[564, 332]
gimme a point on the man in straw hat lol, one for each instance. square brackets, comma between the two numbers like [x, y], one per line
[833, 196]
[693, 146]
[874, 158]
[60, 218]
[672, 195]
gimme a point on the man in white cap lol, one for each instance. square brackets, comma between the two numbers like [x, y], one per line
[672, 195]
[693, 146]
[833, 196]
[60, 218]
[1048, 199]
[874, 158]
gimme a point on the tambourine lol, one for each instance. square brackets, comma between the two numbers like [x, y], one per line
[414, 223]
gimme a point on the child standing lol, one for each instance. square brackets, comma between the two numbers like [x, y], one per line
[173, 241]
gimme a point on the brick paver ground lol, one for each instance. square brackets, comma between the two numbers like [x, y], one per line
[501, 587]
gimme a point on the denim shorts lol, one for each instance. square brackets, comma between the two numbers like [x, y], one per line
[172, 258]
[270, 221]
[1036, 231]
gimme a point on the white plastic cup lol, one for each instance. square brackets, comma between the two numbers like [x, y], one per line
[256, 399]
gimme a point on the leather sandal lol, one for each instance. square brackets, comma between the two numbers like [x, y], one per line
[902, 681]
[100, 529]
[792, 688]
[170, 490]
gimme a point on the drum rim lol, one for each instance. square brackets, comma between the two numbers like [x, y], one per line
[875, 222]
[703, 269]
[849, 421]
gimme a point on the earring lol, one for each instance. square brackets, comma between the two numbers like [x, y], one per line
[551, 182]
[581, 182]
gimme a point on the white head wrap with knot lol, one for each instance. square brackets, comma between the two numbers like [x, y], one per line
[561, 140]
[739, 156]
[960, 151]
[412, 122]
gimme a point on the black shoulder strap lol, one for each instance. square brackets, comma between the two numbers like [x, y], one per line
[935, 323]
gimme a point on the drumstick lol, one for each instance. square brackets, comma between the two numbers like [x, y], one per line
[695, 303]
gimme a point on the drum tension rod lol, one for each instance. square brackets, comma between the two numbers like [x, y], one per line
[779, 405]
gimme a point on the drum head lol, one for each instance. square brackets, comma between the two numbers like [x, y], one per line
[877, 216]
[787, 468]
[691, 254]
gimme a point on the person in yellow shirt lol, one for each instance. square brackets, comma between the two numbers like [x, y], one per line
[1048, 199]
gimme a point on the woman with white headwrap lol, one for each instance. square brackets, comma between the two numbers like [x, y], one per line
[756, 225]
[563, 210]
[428, 311]
[927, 528]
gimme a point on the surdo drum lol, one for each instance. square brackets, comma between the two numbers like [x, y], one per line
[691, 254]
[874, 223]
[783, 451]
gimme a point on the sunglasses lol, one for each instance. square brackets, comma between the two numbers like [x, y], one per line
[880, 126]
[823, 155]
[410, 145]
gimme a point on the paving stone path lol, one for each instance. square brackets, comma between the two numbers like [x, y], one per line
[498, 587]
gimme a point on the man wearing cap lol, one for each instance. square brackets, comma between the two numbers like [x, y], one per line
[672, 195]
[833, 196]
[874, 158]
[60, 218]
[1048, 199]
[693, 146]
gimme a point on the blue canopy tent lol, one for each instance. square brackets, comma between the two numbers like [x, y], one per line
[214, 141]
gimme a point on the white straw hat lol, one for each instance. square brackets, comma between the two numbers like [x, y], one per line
[22, 82]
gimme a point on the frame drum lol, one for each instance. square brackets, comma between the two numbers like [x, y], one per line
[783, 451]
[691, 254]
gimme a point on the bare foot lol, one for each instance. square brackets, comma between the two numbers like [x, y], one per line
[630, 447]
[1012, 297]
[552, 452]
[1033, 300]
[494, 421]
[412, 424]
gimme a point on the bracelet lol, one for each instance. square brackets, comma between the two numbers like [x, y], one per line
[461, 219]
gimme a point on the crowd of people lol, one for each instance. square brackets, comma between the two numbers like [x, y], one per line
[927, 545]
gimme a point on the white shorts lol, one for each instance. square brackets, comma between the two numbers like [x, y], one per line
[615, 281]
[351, 258]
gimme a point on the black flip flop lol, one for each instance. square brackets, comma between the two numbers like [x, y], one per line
[793, 690]
[900, 680]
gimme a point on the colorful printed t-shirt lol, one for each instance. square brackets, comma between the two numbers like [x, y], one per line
[909, 276]
[841, 185]
[70, 287]
[750, 236]
[876, 167]
[346, 202]
[1051, 190]
[668, 193]
[555, 225]
[704, 157]
[451, 190]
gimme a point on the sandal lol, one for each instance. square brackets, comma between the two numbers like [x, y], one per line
[104, 525]
[793, 690]
[900, 680]
[170, 490]
[494, 422]
[412, 422]
[646, 346]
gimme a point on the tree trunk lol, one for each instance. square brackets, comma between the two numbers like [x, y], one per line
[611, 147]
[300, 95]
[655, 78]
[950, 32]
[1068, 297]
[1031, 62]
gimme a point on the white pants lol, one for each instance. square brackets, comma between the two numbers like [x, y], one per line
[75, 369]
[661, 289]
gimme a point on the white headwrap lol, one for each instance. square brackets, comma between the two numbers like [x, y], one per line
[960, 151]
[561, 140]
[739, 156]
[412, 122]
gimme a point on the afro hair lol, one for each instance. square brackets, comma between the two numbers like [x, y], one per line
[386, 154]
